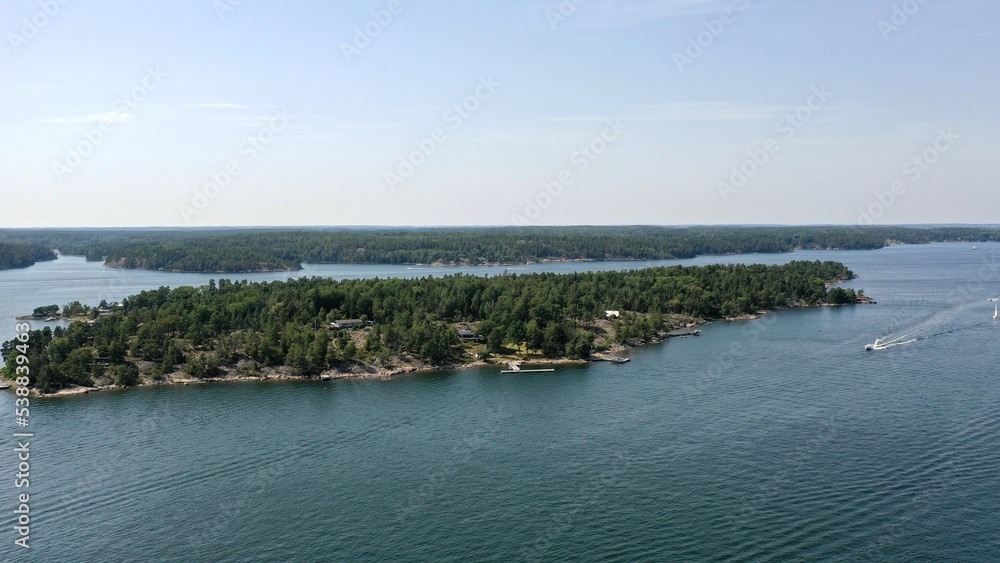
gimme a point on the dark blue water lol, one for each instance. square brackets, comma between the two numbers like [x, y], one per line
[777, 439]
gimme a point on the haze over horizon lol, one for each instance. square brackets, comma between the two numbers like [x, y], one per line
[619, 112]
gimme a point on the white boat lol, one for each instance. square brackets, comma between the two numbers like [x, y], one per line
[996, 311]
[974, 247]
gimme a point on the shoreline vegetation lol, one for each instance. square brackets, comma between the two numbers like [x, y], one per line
[232, 251]
[318, 328]
[22, 255]
[71, 312]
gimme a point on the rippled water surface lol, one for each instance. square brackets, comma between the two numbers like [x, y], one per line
[778, 439]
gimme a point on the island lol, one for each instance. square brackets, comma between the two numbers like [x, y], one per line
[322, 328]
[74, 311]
[23, 254]
[280, 250]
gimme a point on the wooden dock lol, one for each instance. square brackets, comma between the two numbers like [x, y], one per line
[515, 367]
[608, 358]
[682, 332]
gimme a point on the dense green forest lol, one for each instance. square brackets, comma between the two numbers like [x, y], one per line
[22, 255]
[248, 250]
[289, 323]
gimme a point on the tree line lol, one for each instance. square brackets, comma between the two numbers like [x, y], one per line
[22, 255]
[288, 323]
[253, 250]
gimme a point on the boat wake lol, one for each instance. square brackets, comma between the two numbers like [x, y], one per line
[910, 338]
[941, 323]
[884, 343]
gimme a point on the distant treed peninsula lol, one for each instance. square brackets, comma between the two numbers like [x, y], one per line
[315, 326]
[261, 250]
[22, 255]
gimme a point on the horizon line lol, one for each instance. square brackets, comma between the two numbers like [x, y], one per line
[503, 226]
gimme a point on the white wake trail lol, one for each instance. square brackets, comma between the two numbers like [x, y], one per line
[895, 343]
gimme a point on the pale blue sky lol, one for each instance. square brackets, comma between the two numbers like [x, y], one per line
[214, 78]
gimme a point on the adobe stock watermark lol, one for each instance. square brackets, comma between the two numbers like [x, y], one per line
[249, 150]
[580, 160]
[592, 492]
[561, 13]
[714, 28]
[913, 170]
[476, 441]
[454, 117]
[121, 112]
[758, 156]
[901, 14]
[225, 7]
[726, 360]
[237, 508]
[31, 27]
[366, 34]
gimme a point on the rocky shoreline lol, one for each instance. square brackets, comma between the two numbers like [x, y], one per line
[269, 374]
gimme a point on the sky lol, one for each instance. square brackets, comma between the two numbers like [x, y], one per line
[498, 112]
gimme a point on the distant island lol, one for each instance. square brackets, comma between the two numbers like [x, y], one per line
[23, 254]
[377, 327]
[74, 311]
[227, 251]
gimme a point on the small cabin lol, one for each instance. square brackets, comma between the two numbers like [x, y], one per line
[612, 314]
[466, 334]
[347, 323]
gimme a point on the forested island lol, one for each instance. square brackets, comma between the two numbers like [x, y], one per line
[22, 255]
[263, 250]
[321, 327]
